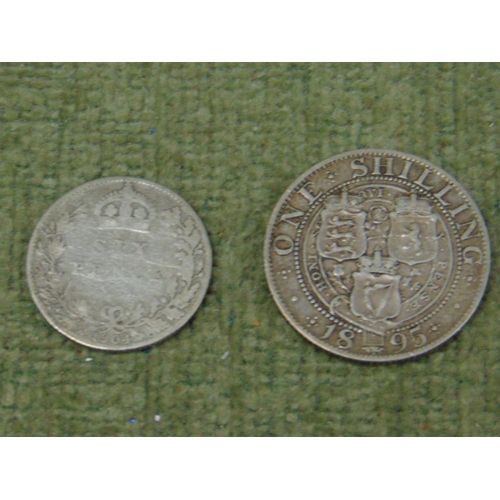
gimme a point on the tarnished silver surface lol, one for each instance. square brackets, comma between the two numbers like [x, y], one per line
[377, 255]
[119, 263]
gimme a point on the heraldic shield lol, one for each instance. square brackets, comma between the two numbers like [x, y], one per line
[413, 237]
[342, 234]
[375, 295]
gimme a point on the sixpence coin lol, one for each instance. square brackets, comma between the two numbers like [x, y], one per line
[119, 263]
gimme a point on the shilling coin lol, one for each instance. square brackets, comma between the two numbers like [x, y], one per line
[377, 255]
[119, 263]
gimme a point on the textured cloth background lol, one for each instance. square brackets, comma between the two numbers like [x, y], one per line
[230, 139]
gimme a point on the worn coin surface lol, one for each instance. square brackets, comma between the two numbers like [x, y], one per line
[119, 263]
[377, 255]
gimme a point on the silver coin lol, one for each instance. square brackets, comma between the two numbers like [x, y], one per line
[377, 255]
[119, 263]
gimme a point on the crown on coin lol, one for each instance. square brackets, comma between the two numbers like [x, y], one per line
[413, 204]
[344, 201]
[124, 209]
[378, 264]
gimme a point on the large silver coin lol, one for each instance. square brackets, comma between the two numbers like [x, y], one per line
[377, 255]
[119, 263]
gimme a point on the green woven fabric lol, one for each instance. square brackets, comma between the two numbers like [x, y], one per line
[230, 139]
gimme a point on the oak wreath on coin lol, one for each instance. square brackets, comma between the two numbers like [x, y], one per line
[377, 255]
[119, 263]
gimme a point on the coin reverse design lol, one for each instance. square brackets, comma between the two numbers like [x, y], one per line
[377, 255]
[119, 263]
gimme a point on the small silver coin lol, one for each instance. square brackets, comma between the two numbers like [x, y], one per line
[377, 255]
[119, 263]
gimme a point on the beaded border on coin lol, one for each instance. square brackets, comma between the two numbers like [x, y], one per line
[356, 330]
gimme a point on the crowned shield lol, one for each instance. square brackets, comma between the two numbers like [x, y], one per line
[342, 233]
[376, 297]
[413, 236]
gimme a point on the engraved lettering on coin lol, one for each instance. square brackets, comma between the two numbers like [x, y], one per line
[383, 246]
[119, 263]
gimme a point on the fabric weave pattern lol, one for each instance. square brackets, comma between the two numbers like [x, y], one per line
[230, 138]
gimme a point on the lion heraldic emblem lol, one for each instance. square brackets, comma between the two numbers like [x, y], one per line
[377, 255]
[413, 238]
[342, 234]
